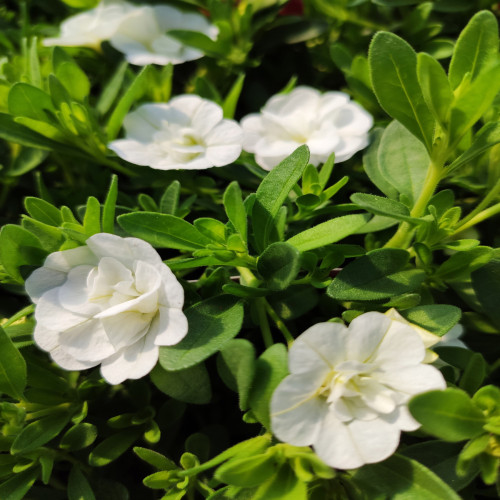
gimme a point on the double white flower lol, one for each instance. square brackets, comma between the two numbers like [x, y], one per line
[327, 123]
[188, 132]
[111, 302]
[348, 389]
[140, 32]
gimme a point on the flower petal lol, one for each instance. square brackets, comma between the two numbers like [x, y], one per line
[169, 327]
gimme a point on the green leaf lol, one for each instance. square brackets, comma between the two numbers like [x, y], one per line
[108, 211]
[200, 41]
[383, 206]
[461, 264]
[43, 211]
[486, 284]
[401, 478]
[31, 102]
[474, 100]
[474, 374]
[191, 385]
[435, 87]
[12, 368]
[39, 432]
[403, 161]
[487, 137]
[113, 447]
[449, 415]
[50, 237]
[328, 232]
[18, 485]
[285, 485]
[211, 324]
[78, 486]
[436, 318]
[373, 168]
[157, 460]
[238, 357]
[92, 218]
[18, 247]
[235, 210]
[211, 228]
[26, 160]
[476, 48]
[170, 198]
[393, 65]
[377, 275]
[279, 265]
[111, 89]
[78, 437]
[163, 230]
[231, 100]
[147, 203]
[70, 74]
[270, 369]
[247, 472]
[272, 193]
[134, 91]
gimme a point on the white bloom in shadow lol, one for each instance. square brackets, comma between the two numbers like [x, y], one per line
[347, 391]
[91, 28]
[111, 302]
[143, 35]
[186, 133]
[327, 123]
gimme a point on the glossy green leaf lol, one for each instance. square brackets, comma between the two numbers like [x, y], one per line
[383, 206]
[476, 48]
[328, 232]
[272, 193]
[157, 460]
[270, 369]
[163, 230]
[402, 478]
[16, 487]
[108, 210]
[278, 265]
[436, 318]
[78, 437]
[285, 485]
[26, 160]
[113, 447]
[191, 385]
[211, 324]
[248, 471]
[200, 41]
[39, 432]
[170, 198]
[29, 101]
[461, 264]
[92, 218]
[393, 65]
[380, 274]
[449, 415]
[70, 74]
[111, 89]
[78, 486]
[231, 100]
[211, 228]
[43, 211]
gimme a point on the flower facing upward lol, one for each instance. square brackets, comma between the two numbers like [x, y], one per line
[111, 302]
[143, 35]
[186, 133]
[327, 123]
[91, 28]
[347, 391]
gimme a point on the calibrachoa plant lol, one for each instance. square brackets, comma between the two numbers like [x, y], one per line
[249, 249]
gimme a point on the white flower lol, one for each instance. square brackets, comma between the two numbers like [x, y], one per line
[452, 338]
[327, 123]
[347, 390]
[91, 28]
[111, 302]
[188, 132]
[143, 35]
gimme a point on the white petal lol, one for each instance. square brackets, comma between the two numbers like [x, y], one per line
[253, 130]
[87, 342]
[138, 153]
[402, 418]
[132, 362]
[45, 338]
[67, 259]
[207, 116]
[171, 291]
[225, 133]
[413, 380]
[126, 328]
[296, 410]
[169, 327]
[73, 294]
[365, 334]
[68, 362]
[352, 119]
[319, 348]
[187, 105]
[41, 280]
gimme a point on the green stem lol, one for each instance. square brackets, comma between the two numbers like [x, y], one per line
[280, 324]
[489, 198]
[264, 322]
[402, 237]
[485, 214]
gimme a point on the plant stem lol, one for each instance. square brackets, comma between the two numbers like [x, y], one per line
[280, 324]
[485, 214]
[402, 237]
[264, 322]
[489, 198]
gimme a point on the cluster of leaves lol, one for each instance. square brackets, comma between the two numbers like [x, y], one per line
[261, 257]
